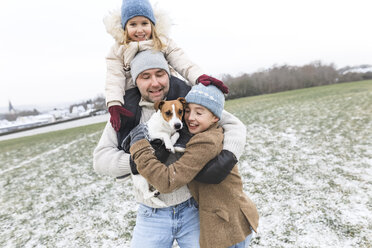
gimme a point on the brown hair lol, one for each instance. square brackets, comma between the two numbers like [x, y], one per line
[158, 44]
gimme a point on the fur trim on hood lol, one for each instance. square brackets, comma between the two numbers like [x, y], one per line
[112, 22]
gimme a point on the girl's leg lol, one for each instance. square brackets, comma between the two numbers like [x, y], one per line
[244, 243]
[153, 229]
[188, 233]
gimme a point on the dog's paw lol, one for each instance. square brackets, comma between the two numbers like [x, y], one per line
[156, 193]
[147, 195]
[179, 149]
[175, 137]
[171, 149]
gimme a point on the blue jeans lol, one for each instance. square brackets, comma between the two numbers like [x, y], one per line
[159, 227]
[244, 243]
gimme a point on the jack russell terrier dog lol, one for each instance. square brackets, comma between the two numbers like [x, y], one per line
[167, 120]
[163, 124]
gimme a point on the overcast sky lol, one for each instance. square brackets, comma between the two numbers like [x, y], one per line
[53, 51]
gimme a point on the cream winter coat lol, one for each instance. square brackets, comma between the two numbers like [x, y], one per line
[118, 77]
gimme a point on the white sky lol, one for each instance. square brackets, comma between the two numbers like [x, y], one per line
[53, 51]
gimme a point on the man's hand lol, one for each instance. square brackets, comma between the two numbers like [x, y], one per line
[137, 133]
[115, 112]
[207, 80]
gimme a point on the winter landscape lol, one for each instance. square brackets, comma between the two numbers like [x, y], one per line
[24, 120]
[307, 166]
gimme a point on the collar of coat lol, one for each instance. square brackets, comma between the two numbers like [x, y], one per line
[112, 22]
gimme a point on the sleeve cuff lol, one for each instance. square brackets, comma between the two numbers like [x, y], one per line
[114, 103]
[124, 165]
[139, 145]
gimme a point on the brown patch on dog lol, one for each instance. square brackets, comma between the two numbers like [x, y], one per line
[166, 108]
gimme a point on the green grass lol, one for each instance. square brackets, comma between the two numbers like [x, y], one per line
[307, 166]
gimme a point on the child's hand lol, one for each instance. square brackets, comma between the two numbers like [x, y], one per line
[115, 112]
[207, 80]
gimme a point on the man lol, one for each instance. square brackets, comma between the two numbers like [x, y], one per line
[159, 227]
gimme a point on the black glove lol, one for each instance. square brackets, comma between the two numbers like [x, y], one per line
[133, 166]
[161, 152]
[185, 136]
[137, 133]
[216, 170]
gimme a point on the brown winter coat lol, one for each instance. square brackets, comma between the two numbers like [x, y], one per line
[226, 213]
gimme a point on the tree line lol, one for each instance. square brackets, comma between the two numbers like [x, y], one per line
[98, 103]
[274, 79]
[285, 77]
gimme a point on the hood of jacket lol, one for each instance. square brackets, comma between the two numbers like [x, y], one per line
[112, 22]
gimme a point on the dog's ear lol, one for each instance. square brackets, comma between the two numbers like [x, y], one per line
[158, 104]
[182, 100]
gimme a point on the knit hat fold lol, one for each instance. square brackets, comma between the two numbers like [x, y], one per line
[209, 97]
[133, 8]
[148, 59]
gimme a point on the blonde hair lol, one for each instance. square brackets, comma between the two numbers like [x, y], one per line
[158, 44]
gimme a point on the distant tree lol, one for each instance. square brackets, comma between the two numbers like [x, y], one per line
[14, 116]
[350, 77]
[367, 75]
[285, 77]
[99, 103]
[10, 117]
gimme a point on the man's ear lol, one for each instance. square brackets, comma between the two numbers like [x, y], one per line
[158, 104]
[182, 100]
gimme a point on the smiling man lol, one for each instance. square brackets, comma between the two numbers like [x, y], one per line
[151, 75]
[180, 219]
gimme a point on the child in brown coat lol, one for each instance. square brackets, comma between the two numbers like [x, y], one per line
[227, 215]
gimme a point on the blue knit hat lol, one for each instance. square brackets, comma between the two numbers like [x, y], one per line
[207, 96]
[133, 8]
[145, 60]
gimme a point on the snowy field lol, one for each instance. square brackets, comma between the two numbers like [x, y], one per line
[307, 166]
[59, 126]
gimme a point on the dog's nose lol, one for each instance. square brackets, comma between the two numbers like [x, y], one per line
[177, 126]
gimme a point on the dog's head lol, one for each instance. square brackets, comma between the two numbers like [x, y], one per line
[172, 111]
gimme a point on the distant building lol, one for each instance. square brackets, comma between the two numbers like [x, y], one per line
[60, 114]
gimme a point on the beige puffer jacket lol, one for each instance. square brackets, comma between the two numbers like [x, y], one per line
[118, 77]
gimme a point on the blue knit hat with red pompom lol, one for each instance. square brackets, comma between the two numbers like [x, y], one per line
[133, 8]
